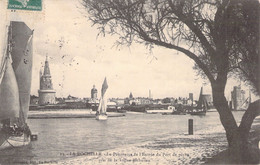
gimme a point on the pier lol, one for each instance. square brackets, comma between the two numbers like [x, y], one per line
[68, 114]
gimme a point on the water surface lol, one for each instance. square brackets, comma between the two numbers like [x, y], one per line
[62, 138]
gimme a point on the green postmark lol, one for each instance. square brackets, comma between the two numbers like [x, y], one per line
[35, 5]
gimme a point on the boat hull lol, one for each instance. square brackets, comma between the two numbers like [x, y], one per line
[198, 113]
[101, 117]
[212, 110]
[14, 141]
[179, 113]
[174, 113]
[159, 111]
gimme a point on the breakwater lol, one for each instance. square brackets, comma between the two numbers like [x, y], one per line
[58, 106]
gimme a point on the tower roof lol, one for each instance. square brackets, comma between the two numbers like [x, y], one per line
[94, 89]
[46, 67]
[131, 95]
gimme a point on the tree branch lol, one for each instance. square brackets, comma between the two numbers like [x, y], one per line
[189, 22]
[251, 113]
[185, 51]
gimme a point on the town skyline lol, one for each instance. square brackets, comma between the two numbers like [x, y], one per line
[79, 59]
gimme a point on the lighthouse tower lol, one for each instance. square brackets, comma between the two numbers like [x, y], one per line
[94, 93]
[46, 92]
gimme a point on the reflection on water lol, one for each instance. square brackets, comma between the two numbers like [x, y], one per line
[61, 138]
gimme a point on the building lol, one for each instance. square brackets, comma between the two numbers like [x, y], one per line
[46, 91]
[190, 96]
[93, 93]
[34, 100]
[140, 101]
[131, 96]
[150, 94]
[190, 100]
[118, 101]
[237, 97]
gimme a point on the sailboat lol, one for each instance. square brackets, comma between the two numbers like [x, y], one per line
[102, 107]
[201, 107]
[15, 86]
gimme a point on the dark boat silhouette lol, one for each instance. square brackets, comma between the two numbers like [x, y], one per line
[201, 107]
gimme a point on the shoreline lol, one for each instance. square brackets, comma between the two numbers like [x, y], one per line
[224, 157]
[174, 149]
[68, 114]
[199, 148]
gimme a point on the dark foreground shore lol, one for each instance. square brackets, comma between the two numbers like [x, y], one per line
[226, 157]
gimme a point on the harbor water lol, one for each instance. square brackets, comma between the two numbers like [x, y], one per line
[69, 137]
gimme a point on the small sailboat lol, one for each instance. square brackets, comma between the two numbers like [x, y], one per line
[102, 107]
[15, 86]
[201, 107]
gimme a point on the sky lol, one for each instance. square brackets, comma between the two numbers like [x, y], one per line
[79, 59]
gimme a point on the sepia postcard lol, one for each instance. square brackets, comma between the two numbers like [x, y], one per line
[129, 82]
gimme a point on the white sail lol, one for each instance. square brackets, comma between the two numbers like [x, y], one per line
[104, 110]
[15, 86]
[9, 95]
[99, 106]
[3, 60]
[102, 107]
[21, 37]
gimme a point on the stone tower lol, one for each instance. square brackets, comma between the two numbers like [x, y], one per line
[46, 92]
[150, 94]
[131, 96]
[93, 93]
[237, 97]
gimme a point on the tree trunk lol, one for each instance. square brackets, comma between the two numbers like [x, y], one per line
[228, 121]
[239, 149]
[249, 151]
[251, 113]
[226, 117]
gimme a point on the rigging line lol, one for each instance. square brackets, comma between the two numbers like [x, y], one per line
[5, 52]
[29, 40]
[6, 45]
[6, 55]
[9, 143]
[2, 71]
[6, 139]
[21, 114]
